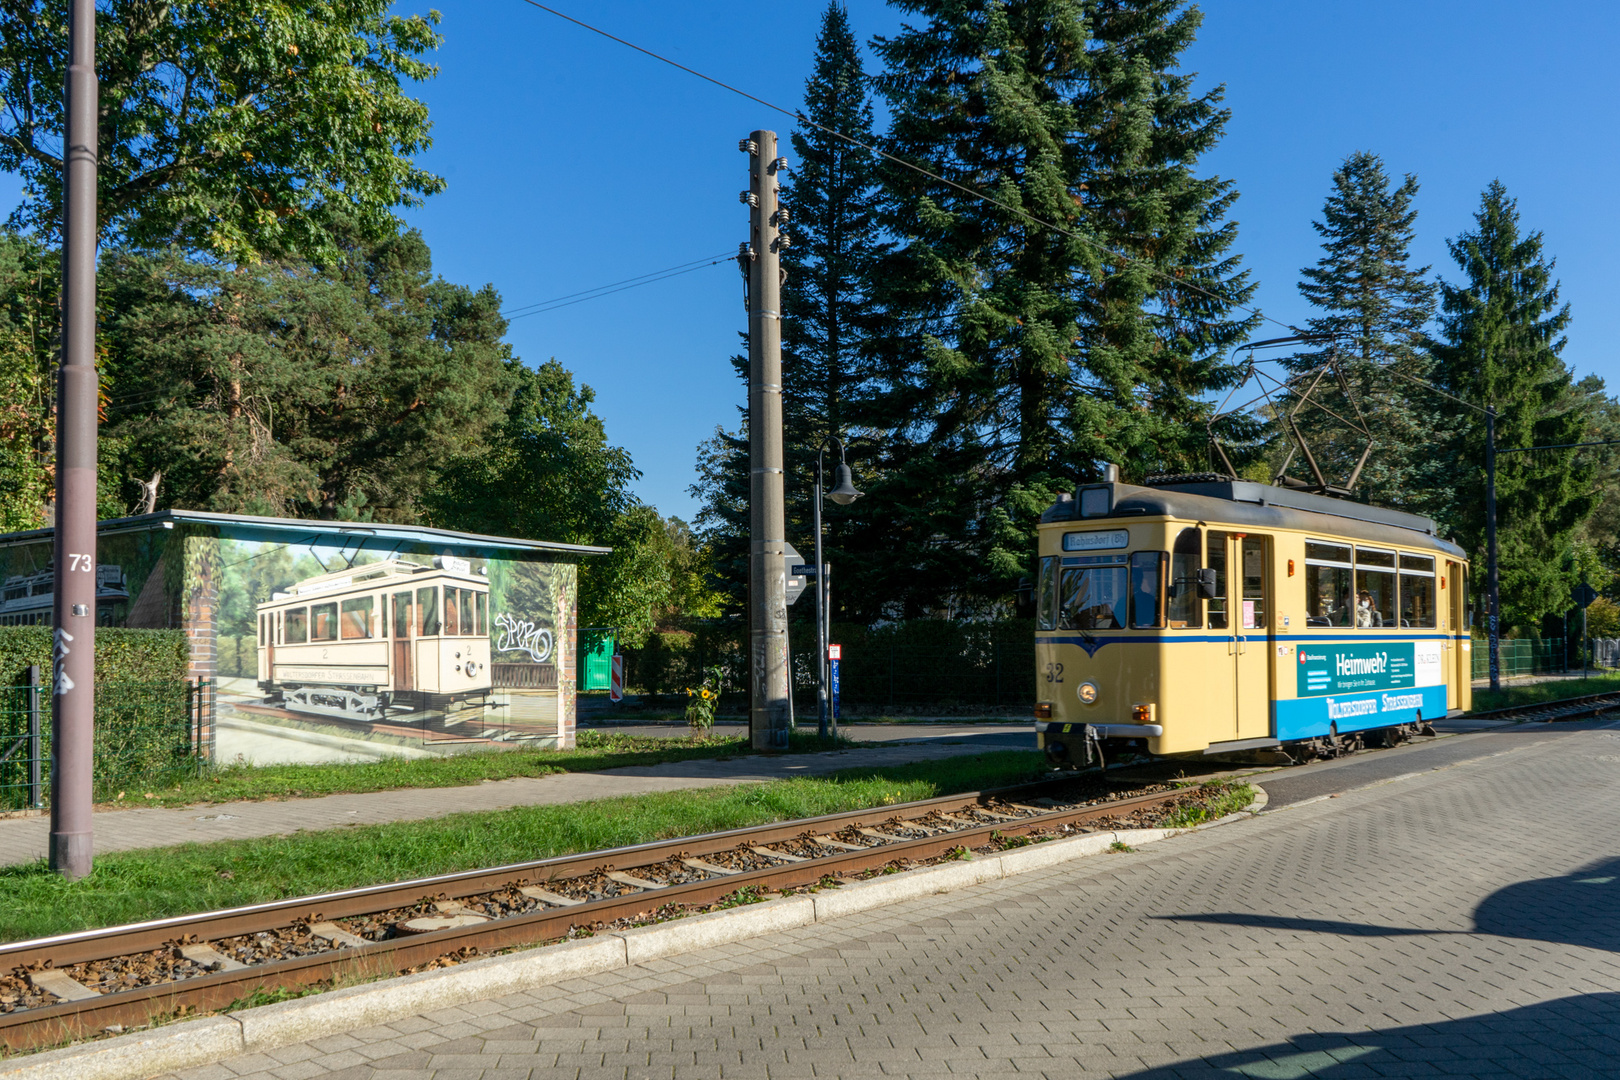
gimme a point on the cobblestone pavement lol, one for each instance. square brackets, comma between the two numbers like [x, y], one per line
[1461, 922]
[24, 839]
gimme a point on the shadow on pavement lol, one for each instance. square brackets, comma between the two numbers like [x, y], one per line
[1582, 909]
[1569, 1037]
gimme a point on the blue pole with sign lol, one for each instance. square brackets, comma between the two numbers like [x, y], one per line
[834, 654]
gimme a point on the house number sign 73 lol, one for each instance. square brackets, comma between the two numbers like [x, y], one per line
[81, 562]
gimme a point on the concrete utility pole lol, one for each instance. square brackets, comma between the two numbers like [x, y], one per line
[73, 688]
[1493, 577]
[768, 716]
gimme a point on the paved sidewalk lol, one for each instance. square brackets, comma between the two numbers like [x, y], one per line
[27, 838]
[1461, 922]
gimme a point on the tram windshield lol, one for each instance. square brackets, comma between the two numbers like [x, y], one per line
[1094, 598]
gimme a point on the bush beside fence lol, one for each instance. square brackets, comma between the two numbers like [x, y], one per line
[122, 655]
[148, 734]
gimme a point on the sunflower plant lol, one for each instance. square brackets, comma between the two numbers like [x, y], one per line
[703, 701]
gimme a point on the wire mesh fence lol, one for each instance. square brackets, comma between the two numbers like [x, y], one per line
[147, 735]
[1521, 656]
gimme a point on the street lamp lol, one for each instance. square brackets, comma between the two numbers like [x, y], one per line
[843, 493]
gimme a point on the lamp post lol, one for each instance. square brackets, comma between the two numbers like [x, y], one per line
[843, 493]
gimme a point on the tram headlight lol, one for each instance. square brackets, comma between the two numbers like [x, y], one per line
[1088, 693]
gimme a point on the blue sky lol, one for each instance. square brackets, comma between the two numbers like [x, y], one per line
[573, 162]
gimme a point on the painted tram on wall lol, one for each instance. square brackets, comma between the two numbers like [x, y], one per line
[1205, 615]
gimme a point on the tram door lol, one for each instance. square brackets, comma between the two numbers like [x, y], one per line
[1462, 660]
[1241, 565]
[402, 642]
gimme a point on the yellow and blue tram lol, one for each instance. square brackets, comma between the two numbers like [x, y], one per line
[1204, 615]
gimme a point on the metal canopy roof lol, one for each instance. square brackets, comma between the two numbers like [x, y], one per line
[421, 534]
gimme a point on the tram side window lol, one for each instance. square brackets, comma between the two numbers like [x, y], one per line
[1417, 590]
[427, 611]
[452, 610]
[1094, 598]
[483, 614]
[297, 625]
[323, 622]
[356, 620]
[1182, 608]
[1215, 559]
[1329, 597]
[261, 628]
[1147, 587]
[1046, 609]
[1375, 587]
[402, 615]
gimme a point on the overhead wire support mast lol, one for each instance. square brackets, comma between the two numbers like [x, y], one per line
[769, 717]
[73, 691]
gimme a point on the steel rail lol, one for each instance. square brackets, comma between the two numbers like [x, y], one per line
[51, 1024]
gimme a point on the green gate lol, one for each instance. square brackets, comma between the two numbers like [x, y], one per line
[595, 658]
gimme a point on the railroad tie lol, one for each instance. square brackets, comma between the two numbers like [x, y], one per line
[631, 879]
[709, 868]
[449, 907]
[960, 820]
[1014, 817]
[331, 931]
[827, 841]
[61, 985]
[210, 957]
[546, 896]
[780, 856]
[887, 838]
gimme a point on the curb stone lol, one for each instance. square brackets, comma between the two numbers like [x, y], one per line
[144, 1054]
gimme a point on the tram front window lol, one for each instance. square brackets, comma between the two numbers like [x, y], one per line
[1046, 604]
[1147, 583]
[452, 610]
[427, 611]
[1329, 596]
[1094, 598]
[402, 615]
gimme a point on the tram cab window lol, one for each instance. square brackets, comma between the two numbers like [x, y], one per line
[1147, 589]
[1182, 606]
[1417, 590]
[1094, 598]
[402, 615]
[483, 614]
[297, 625]
[356, 621]
[1375, 587]
[1329, 596]
[1046, 604]
[427, 611]
[261, 628]
[1215, 559]
[323, 622]
[452, 611]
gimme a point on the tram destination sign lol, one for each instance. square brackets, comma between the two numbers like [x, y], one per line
[1356, 668]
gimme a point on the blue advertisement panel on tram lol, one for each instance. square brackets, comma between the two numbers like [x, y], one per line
[1363, 685]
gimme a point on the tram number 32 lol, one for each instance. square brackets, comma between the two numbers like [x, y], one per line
[1054, 673]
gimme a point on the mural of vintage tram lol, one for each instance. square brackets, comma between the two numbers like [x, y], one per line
[390, 639]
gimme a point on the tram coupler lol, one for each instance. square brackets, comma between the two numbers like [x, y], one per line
[1069, 746]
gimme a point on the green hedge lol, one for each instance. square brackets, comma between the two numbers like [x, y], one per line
[121, 655]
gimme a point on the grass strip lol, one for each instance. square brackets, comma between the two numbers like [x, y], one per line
[1510, 697]
[153, 883]
[596, 750]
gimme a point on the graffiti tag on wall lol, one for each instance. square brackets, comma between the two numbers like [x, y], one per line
[521, 635]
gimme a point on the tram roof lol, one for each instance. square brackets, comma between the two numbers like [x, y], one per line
[1242, 502]
[421, 534]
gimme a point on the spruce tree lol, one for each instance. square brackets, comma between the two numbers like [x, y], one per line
[1501, 332]
[1378, 305]
[1022, 355]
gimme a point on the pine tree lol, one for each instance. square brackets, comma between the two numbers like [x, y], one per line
[1377, 304]
[1501, 332]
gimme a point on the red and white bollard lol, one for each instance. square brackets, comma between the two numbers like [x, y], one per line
[616, 679]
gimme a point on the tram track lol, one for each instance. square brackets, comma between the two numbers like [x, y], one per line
[71, 986]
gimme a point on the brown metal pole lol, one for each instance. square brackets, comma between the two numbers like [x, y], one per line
[73, 661]
[768, 720]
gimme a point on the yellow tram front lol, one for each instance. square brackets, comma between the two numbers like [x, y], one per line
[1216, 616]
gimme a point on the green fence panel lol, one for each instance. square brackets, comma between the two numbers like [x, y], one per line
[595, 659]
